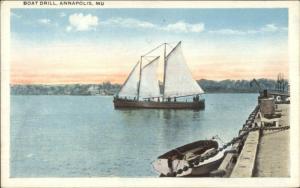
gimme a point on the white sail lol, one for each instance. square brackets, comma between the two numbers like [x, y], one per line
[130, 87]
[178, 78]
[149, 82]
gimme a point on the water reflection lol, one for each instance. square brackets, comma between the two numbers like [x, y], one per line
[167, 127]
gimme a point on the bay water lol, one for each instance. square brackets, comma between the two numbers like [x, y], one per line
[84, 136]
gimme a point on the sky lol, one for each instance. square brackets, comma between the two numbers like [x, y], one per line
[62, 46]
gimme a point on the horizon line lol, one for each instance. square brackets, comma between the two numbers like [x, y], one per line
[13, 84]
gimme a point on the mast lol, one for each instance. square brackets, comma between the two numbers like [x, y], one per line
[138, 89]
[165, 65]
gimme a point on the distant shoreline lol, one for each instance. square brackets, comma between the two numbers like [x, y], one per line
[113, 94]
[108, 89]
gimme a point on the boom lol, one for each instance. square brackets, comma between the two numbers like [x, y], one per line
[256, 83]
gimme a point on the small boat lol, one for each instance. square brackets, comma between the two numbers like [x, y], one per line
[183, 156]
[143, 88]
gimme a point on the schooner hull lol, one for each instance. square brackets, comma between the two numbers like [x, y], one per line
[123, 103]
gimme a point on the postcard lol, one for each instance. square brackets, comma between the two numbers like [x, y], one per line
[149, 93]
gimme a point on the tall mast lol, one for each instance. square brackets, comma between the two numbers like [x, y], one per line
[165, 65]
[138, 89]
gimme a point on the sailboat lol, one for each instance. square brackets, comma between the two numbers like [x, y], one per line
[142, 89]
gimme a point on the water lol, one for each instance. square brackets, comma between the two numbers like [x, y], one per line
[84, 136]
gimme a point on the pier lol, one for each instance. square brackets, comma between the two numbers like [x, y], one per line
[262, 147]
[273, 155]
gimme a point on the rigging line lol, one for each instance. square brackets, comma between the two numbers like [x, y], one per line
[153, 60]
[159, 47]
[153, 50]
[147, 58]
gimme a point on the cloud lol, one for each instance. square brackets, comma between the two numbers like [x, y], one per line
[81, 22]
[184, 27]
[178, 27]
[128, 22]
[44, 21]
[227, 32]
[268, 28]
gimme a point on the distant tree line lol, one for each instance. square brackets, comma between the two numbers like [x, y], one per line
[237, 86]
[107, 88]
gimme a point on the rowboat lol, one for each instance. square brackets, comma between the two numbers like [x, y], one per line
[181, 158]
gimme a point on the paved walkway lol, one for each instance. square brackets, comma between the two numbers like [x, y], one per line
[273, 150]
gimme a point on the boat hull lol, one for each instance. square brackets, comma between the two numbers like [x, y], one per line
[181, 157]
[202, 170]
[205, 169]
[197, 147]
[123, 103]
